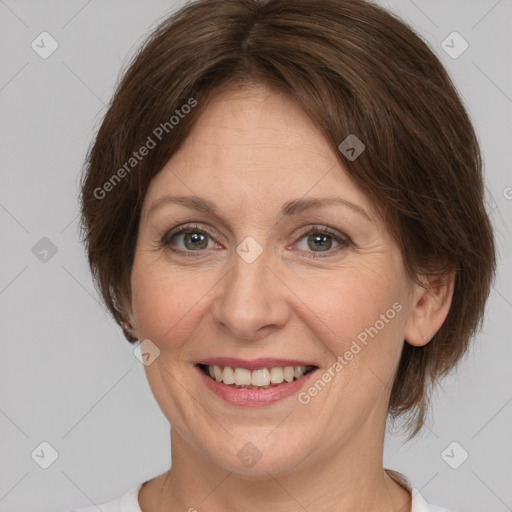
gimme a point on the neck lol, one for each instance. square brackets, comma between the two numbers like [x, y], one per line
[351, 481]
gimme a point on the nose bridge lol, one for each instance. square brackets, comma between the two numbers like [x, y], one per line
[249, 301]
[246, 281]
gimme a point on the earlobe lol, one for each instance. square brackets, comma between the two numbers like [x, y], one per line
[430, 307]
[130, 326]
[128, 320]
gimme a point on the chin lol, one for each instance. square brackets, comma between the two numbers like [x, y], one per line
[256, 454]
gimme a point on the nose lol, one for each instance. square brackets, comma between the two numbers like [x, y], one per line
[252, 300]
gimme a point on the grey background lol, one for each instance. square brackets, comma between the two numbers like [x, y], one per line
[69, 378]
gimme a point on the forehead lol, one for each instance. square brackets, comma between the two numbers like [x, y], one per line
[255, 146]
[262, 126]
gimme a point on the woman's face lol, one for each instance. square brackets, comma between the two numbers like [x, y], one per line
[267, 274]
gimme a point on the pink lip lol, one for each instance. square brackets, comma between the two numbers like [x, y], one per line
[254, 397]
[253, 364]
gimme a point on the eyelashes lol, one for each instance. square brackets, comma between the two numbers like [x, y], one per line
[201, 239]
[170, 236]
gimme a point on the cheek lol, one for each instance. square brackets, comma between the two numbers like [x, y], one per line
[166, 301]
[351, 302]
[360, 315]
[155, 309]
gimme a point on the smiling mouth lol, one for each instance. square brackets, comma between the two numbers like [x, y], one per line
[261, 378]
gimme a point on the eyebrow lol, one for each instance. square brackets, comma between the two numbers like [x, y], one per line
[290, 208]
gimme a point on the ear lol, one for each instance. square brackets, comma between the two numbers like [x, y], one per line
[128, 319]
[131, 326]
[431, 303]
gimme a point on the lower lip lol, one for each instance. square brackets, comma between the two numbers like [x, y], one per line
[254, 397]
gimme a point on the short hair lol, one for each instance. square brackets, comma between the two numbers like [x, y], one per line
[354, 68]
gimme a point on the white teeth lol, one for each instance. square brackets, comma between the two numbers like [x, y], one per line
[276, 375]
[242, 377]
[289, 373]
[299, 371]
[262, 377]
[228, 376]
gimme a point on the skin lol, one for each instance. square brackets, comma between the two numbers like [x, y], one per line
[252, 150]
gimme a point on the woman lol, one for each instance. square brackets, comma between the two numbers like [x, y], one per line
[284, 206]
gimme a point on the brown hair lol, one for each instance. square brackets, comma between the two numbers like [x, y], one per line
[355, 69]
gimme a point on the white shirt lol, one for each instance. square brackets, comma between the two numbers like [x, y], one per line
[129, 502]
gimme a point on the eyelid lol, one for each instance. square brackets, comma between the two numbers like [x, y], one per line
[342, 239]
[322, 229]
[169, 234]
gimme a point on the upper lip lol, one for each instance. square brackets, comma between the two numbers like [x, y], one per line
[253, 364]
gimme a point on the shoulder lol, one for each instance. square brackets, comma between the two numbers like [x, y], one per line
[128, 502]
[418, 502]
